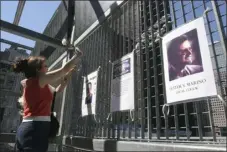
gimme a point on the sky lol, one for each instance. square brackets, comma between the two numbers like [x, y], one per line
[36, 15]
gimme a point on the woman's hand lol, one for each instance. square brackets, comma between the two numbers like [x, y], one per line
[64, 81]
[79, 53]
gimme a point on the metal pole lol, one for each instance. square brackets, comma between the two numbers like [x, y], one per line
[71, 7]
[148, 66]
[19, 11]
[219, 26]
[16, 44]
[156, 78]
[141, 101]
[29, 34]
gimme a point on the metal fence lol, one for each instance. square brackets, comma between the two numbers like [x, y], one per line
[138, 24]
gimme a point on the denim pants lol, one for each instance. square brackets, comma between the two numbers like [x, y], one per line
[33, 136]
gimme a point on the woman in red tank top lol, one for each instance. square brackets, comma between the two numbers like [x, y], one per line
[32, 134]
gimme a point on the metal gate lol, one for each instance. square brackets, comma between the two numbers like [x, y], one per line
[140, 24]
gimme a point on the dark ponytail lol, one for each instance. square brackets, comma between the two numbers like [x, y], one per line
[29, 66]
[20, 66]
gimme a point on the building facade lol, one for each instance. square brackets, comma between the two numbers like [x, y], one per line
[10, 88]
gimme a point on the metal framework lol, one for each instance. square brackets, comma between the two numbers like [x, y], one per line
[16, 21]
[21, 31]
[19, 11]
[16, 44]
[140, 23]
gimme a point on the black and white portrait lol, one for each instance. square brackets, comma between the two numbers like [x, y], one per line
[184, 56]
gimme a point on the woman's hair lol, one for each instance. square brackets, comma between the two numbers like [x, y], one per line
[29, 66]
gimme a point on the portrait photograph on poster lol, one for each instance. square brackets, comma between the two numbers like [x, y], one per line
[184, 55]
[122, 84]
[89, 94]
[187, 63]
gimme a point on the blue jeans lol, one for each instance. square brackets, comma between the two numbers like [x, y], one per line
[33, 136]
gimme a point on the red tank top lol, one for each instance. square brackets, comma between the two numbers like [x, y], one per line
[37, 100]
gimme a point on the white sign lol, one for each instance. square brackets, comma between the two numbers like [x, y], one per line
[187, 63]
[89, 94]
[122, 84]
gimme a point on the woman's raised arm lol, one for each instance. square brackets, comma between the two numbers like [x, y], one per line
[52, 76]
